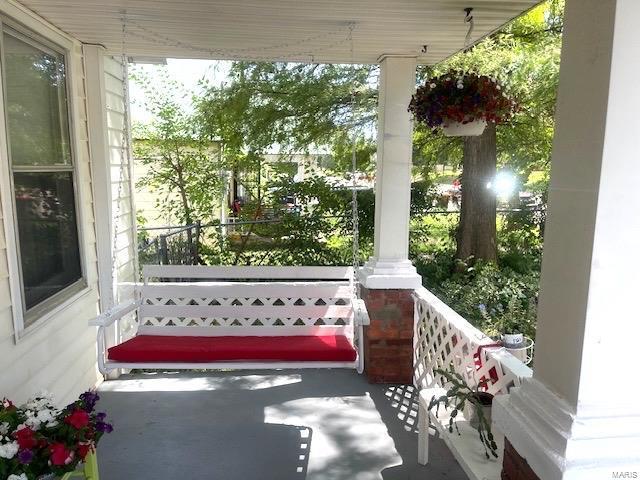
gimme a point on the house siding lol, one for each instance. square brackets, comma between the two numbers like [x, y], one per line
[58, 353]
[122, 200]
[123, 209]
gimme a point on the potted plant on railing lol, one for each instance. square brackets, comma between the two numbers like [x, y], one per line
[475, 403]
[40, 442]
[512, 326]
[461, 103]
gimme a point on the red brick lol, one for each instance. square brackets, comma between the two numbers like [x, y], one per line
[514, 467]
[389, 338]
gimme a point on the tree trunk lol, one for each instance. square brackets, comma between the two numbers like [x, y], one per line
[476, 234]
[184, 198]
[234, 185]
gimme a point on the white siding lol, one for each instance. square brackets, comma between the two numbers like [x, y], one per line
[121, 187]
[59, 354]
[124, 253]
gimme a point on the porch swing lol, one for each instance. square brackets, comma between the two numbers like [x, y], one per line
[214, 317]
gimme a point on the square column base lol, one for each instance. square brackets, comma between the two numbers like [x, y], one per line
[514, 467]
[383, 274]
[560, 444]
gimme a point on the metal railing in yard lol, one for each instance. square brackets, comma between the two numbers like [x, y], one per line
[175, 246]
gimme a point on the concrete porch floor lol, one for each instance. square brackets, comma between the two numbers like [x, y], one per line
[264, 425]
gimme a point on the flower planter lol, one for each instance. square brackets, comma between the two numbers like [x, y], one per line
[459, 129]
[512, 340]
[523, 351]
[65, 444]
[471, 409]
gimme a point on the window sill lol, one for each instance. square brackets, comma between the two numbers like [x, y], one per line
[46, 318]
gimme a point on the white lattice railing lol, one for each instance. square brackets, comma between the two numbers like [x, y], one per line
[443, 338]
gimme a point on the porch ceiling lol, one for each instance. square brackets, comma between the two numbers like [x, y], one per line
[294, 30]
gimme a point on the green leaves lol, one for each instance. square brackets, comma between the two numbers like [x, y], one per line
[493, 299]
[291, 107]
[525, 58]
[180, 166]
[459, 393]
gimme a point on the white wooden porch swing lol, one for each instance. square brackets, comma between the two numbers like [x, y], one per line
[276, 317]
[211, 317]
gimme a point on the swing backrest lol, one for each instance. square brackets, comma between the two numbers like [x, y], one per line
[246, 301]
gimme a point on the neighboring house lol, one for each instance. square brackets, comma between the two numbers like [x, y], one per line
[149, 198]
[297, 166]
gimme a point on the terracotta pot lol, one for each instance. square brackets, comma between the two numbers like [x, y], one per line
[459, 129]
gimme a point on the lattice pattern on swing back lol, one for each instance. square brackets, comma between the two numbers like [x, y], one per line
[443, 338]
[255, 311]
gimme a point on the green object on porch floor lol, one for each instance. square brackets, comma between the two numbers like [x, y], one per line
[89, 471]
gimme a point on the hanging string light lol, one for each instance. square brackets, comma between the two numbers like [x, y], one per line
[255, 53]
[124, 159]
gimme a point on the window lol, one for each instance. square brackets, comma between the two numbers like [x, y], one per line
[36, 109]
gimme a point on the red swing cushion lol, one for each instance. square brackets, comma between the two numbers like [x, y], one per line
[160, 348]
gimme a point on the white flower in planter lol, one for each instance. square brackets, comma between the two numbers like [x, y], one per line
[46, 415]
[22, 476]
[4, 428]
[8, 450]
[32, 420]
[42, 400]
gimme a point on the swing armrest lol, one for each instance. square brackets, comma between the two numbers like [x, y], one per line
[361, 315]
[116, 313]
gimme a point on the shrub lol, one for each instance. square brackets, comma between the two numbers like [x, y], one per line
[493, 298]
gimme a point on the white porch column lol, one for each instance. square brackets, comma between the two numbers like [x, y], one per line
[390, 267]
[579, 416]
[101, 169]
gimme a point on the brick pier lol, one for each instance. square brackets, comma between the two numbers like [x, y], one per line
[388, 341]
[514, 467]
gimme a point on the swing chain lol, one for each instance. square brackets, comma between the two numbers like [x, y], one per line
[354, 180]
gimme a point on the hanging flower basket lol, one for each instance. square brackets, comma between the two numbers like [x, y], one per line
[461, 129]
[461, 104]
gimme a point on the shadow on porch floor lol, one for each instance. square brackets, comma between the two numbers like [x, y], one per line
[264, 425]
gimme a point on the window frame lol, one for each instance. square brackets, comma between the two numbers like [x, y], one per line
[26, 321]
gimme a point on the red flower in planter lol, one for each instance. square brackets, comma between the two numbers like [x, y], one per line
[26, 438]
[78, 419]
[84, 449]
[60, 455]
